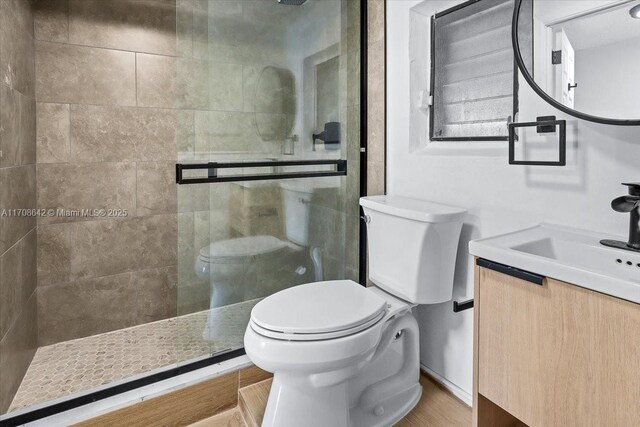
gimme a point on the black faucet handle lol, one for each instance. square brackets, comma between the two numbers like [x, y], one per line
[625, 203]
[628, 204]
[634, 188]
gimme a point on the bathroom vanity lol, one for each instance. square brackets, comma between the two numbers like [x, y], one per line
[557, 336]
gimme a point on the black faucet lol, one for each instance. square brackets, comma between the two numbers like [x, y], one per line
[628, 204]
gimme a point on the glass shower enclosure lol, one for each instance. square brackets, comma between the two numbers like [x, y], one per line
[227, 132]
[268, 179]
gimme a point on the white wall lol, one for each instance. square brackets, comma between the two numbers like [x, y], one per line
[500, 198]
[599, 80]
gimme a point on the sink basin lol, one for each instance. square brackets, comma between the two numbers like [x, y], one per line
[567, 254]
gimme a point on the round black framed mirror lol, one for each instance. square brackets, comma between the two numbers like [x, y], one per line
[582, 56]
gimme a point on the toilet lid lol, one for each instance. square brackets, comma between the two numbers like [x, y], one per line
[242, 247]
[318, 308]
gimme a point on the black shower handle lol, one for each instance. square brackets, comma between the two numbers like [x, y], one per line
[319, 136]
[330, 134]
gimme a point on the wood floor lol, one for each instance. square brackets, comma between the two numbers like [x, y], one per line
[230, 418]
[437, 408]
[252, 402]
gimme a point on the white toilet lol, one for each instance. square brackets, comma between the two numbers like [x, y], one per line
[345, 355]
[232, 266]
[245, 268]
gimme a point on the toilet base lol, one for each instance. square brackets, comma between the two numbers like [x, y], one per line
[390, 410]
[295, 399]
[375, 392]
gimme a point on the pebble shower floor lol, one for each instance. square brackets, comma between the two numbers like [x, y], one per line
[73, 366]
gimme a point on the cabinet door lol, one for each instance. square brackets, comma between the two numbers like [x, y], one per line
[558, 354]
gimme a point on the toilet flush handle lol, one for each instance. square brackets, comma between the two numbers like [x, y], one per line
[366, 219]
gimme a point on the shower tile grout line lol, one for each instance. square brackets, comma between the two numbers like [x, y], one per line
[148, 107]
[68, 43]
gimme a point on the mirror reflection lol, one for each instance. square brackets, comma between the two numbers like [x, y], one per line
[586, 53]
[275, 103]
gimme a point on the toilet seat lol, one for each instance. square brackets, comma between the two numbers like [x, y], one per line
[314, 337]
[241, 247]
[302, 353]
[318, 311]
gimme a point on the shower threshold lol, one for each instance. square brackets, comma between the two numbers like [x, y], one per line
[71, 367]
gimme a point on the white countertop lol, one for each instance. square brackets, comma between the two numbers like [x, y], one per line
[567, 254]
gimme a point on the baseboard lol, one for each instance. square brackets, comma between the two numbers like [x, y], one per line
[449, 386]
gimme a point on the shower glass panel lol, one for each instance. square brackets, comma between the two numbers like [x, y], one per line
[279, 82]
[89, 302]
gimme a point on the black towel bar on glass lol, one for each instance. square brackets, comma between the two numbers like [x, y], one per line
[212, 170]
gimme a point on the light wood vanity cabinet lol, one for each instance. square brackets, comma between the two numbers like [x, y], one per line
[553, 355]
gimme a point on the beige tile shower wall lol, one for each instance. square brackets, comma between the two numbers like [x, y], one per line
[376, 97]
[111, 117]
[18, 317]
[351, 73]
[124, 89]
[375, 117]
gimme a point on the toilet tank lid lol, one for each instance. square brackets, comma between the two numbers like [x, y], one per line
[418, 210]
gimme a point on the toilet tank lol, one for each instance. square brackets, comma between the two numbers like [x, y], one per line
[412, 247]
[296, 197]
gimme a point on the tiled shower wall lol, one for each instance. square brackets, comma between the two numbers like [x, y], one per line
[18, 324]
[110, 113]
[376, 97]
[121, 93]
[352, 53]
